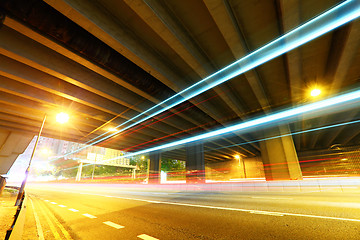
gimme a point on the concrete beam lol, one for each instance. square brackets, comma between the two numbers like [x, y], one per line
[11, 23]
[226, 22]
[290, 18]
[11, 145]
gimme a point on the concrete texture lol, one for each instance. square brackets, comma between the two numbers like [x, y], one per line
[7, 211]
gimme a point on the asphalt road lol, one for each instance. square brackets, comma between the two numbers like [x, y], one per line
[106, 211]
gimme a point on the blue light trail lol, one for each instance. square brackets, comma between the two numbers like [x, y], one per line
[264, 139]
[325, 22]
[336, 102]
[288, 134]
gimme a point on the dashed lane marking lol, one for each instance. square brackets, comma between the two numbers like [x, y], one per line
[147, 237]
[73, 210]
[114, 225]
[89, 215]
[62, 206]
[267, 213]
[274, 198]
[222, 208]
[53, 203]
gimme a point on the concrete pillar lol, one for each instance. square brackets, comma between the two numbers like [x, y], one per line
[133, 175]
[154, 167]
[279, 155]
[195, 164]
[2, 184]
[78, 175]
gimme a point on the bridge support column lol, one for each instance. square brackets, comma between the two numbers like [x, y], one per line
[154, 167]
[279, 155]
[78, 175]
[195, 164]
[2, 184]
[133, 175]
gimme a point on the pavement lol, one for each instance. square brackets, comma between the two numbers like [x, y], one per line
[7, 210]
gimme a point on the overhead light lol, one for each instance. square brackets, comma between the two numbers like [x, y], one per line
[112, 129]
[45, 151]
[315, 92]
[62, 117]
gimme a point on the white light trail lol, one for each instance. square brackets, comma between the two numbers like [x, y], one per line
[337, 101]
[268, 138]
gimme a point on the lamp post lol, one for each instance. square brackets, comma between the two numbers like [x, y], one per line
[61, 118]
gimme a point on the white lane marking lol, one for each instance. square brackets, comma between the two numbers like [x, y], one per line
[53, 203]
[224, 208]
[114, 225]
[147, 237]
[73, 210]
[46, 200]
[276, 198]
[150, 201]
[267, 213]
[62, 206]
[89, 215]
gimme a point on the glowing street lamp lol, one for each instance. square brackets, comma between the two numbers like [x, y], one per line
[61, 118]
[315, 92]
[45, 151]
[112, 129]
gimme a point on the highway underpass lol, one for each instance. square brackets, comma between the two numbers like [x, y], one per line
[241, 92]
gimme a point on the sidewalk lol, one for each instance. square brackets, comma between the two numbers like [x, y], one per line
[7, 210]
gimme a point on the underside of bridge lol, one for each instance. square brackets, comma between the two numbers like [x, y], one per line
[106, 61]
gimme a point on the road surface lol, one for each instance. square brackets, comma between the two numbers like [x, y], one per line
[110, 211]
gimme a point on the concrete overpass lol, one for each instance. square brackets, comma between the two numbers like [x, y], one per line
[107, 61]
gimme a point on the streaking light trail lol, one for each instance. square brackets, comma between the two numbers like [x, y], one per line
[327, 21]
[338, 101]
[289, 134]
[268, 138]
